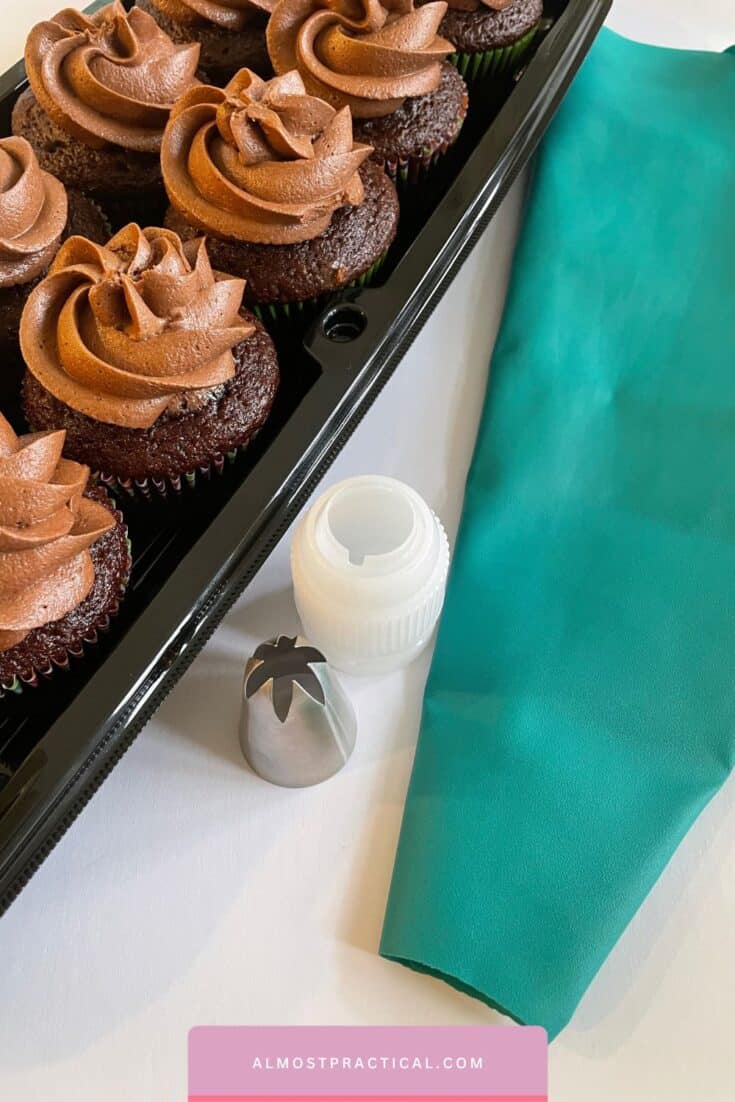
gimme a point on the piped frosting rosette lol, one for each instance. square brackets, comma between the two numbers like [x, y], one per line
[232, 15]
[46, 529]
[369, 55]
[33, 214]
[109, 78]
[261, 161]
[117, 332]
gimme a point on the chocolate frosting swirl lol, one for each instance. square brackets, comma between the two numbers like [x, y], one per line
[33, 213]
[368, 55]
[109, 78]
[46, 529]
[118, 331]
[233, 15]
[260, 160]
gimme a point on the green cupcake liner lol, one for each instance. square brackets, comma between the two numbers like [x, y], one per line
[409, 171]
[489, 63]
[150, 489]
[32, 678]
[61, 661]
[15, 686]
[299, 312]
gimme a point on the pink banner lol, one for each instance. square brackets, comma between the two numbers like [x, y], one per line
[365, 1098]
[371, 1063]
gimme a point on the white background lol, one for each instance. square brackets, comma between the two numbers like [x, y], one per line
[190, 892]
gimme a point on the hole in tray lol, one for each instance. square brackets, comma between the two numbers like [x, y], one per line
[345, 323]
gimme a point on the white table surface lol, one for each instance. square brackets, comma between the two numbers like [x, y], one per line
[189, 892]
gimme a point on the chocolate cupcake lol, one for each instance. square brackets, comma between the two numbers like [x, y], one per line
[101, 89]
[385, 61]
[36, 214]
[64, 558]
[290, 203]
[491, 36]
[231, 33]
[147, 359]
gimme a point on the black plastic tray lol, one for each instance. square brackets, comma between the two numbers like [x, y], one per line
[195, 555]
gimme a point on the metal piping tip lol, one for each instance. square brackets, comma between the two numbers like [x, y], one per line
[297, 725]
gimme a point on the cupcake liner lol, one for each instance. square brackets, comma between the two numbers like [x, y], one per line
[61, 661]
[409, 171]
[151, 489]
[298, 313]
[32, 677]
[499, 62]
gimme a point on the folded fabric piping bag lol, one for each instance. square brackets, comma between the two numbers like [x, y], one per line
[581, 704]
